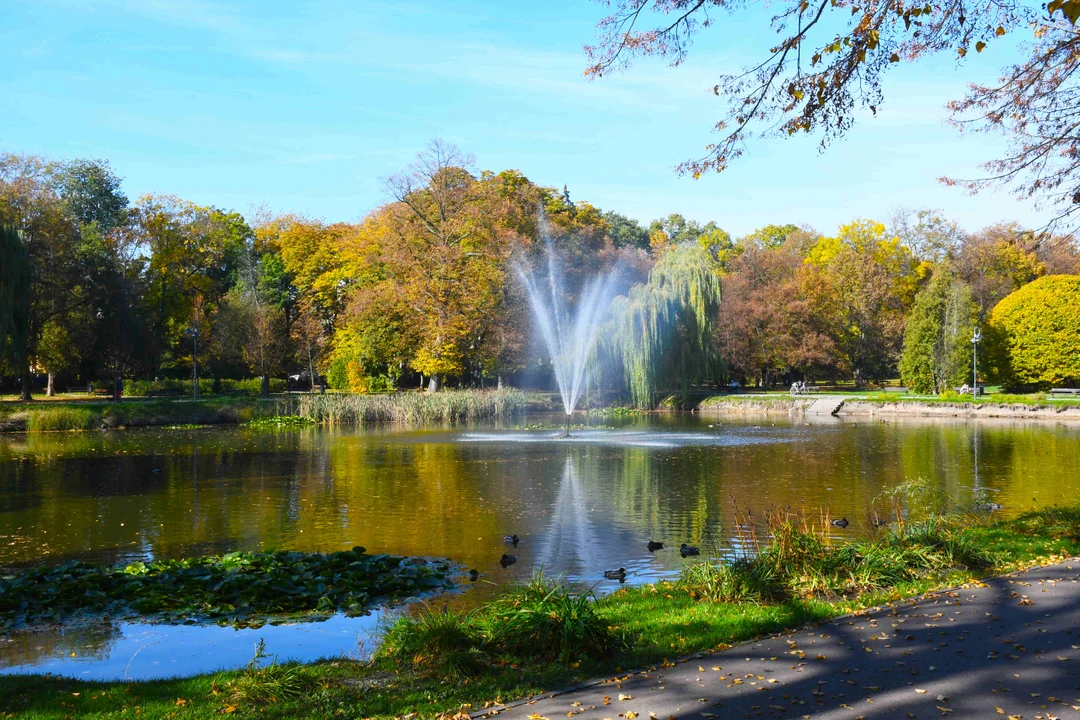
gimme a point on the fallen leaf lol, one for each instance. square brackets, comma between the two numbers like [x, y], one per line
[921, 692]
[625, 697]
[631, 715]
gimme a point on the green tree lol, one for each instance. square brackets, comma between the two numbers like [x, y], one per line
[59, 279]
[937, 347]
[626, 232]
[14, 296]
[1033, 338]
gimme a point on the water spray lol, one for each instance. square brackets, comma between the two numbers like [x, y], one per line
[569, 340]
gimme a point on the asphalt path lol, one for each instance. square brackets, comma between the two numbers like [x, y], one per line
[1007, 649]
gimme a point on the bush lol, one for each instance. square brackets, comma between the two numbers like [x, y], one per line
[1033, 335]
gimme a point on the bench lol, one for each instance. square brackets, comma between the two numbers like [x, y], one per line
[1065, 391]
[102, 391]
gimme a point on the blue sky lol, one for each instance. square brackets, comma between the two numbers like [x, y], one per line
[305, 106]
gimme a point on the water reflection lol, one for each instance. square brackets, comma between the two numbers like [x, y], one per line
[580, 507]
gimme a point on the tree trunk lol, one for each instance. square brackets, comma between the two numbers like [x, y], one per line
[49, 387]
[265, 385]
[26, 380]
[435, 383]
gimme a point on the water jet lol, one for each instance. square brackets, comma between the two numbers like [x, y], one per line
[569, 340]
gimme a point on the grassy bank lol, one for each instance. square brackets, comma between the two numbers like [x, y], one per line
[413, 408]
[43, 417]
[545, 635]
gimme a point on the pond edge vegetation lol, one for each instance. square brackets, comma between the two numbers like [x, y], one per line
[546, 634]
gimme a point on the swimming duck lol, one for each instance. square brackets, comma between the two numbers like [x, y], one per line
[507, 560]
[879, 523]
[992, 506]
[685, 550]
[841, 523]
[473, 575]
[653, 546]
[511, 539]
[619, 574]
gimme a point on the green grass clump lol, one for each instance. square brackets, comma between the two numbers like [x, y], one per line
[442, 642]
[270, 683]
[549, 619]
[543, 619]
[238, 588]
[61, 418]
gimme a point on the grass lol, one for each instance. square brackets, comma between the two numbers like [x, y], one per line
[413, 408]
[440, 662]
[90, 415]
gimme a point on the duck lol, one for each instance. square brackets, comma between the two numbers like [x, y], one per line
[879, 523]
[841, 523]
[654, 546]
[992, 506]
[511, 539]
[507, 560]
[686, 550]
[619, 574]
[473, 575]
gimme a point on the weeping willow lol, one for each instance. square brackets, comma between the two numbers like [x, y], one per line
[660, 334]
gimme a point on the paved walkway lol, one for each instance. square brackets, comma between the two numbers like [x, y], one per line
[1008, 650]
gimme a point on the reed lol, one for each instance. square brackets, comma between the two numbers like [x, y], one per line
[412, 408]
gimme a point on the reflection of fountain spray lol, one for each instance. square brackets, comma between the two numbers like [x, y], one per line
[570, 543]
[569, 343]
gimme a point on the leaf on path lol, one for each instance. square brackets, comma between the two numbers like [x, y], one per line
[921, 692]
[625, 697]
[630, 715]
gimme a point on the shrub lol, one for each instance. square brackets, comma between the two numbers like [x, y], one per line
[1033, 336]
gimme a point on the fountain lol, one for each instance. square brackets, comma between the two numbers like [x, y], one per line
[569, 341]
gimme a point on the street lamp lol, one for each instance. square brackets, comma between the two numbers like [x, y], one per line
[975, 338]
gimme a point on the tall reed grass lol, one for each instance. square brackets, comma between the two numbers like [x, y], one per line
[797, 558]
[412, 408]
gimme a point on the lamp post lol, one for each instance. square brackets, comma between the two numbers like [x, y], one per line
[195, 362]
[975, 338]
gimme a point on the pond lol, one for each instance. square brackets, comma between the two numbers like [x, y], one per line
[580, 506]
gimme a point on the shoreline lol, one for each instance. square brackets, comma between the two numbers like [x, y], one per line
[858, 407]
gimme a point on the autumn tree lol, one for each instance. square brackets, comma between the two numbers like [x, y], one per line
[996, 261]
[869, 281]
[447, 259]
[193, 252]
